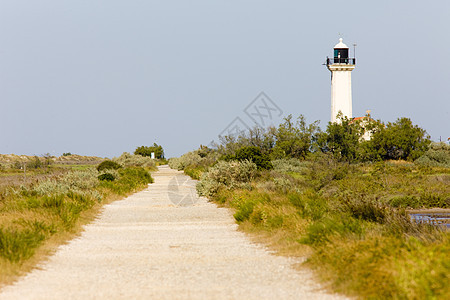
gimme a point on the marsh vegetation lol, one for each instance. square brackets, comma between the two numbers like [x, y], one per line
[338, 200]
[45, 205]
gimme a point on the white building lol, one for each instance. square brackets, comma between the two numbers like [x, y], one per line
[341, 67]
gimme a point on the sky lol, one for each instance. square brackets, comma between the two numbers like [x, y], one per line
[104, 77]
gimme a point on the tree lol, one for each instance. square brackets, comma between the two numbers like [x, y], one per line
[400, 140]
[48, 159]
[147, 151]
[342, 138]
[294, 139]
[259, 137]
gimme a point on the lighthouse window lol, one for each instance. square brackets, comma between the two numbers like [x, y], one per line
[341, 56]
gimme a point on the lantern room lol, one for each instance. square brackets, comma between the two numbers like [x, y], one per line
[341, 55]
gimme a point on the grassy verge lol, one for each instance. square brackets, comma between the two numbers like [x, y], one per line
[350, 221]
[47, 211]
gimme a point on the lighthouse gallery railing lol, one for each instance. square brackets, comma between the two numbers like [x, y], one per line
[346, 61]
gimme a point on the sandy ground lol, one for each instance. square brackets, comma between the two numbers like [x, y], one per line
[146, 247]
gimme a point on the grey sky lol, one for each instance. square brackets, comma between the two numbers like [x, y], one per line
[103, 77]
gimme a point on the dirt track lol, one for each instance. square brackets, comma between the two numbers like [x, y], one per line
[145, 247]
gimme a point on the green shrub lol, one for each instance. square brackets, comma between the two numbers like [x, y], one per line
[135, 176]
[399, 140]
[108, 165]
[293, 138]
[253, 154]
[437, 155]
[17, 165]
[35, 163]
[106, 177]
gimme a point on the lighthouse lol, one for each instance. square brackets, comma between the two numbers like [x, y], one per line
[341, 67]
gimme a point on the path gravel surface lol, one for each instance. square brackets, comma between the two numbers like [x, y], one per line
[146, 247]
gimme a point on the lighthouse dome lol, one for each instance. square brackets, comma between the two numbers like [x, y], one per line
[340, 45]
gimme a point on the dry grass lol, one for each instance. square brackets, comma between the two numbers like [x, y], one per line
[11, 159]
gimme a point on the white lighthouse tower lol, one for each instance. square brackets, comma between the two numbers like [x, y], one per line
[341, 67]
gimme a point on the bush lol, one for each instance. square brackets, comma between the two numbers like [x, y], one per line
[437, 155]
[228, 175]
[342, 139]
[194, 173]
[290, 165]
[400, 140]
[108, 165]
[195, 163]
[135, 176]
[188, 159]
[51, 187]
[130, 160]
[76, 181]
[251, 153]
[106, 177]
[84, 180]
[35, 163]
[294, 139]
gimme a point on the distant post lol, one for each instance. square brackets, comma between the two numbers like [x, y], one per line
[152, 155]
[24, 172]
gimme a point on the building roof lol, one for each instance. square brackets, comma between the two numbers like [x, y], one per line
[340, 45]
[364, 119]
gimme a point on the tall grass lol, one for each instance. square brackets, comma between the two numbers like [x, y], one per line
[32, 214]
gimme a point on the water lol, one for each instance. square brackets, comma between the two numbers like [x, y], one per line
[434, 218]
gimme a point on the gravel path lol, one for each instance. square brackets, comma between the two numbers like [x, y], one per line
[145, 247]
